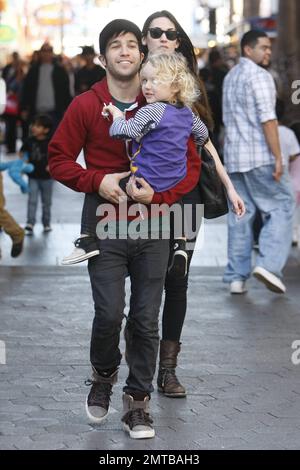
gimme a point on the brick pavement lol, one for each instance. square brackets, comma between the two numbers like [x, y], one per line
[243, 390]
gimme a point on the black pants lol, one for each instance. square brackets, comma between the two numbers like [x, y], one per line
[11, 132]
[176, 289]
[175, 304]
[146, 263]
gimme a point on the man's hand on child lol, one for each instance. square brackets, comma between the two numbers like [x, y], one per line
[109, 188]
[142, 193]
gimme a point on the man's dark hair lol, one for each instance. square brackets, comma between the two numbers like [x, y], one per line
[251, 39]
[46, 47]
[116, 27]
[43, 120]
[88, 50]
[214, 56]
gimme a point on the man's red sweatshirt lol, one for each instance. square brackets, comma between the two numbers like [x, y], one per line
[84, 127]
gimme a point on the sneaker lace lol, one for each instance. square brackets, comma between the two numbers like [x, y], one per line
[137, 417]
[100, 393]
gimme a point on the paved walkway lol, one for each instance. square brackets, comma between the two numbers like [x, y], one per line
[243, 389]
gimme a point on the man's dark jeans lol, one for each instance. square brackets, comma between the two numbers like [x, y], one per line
[145, 261]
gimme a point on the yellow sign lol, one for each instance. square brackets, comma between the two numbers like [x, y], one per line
[7, 33]
[54, 14]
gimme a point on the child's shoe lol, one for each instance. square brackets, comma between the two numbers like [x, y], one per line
[179, 260]
[29, 229]
[85, 248]
[296, 237]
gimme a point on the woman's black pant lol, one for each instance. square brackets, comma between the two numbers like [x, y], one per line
[176, 289]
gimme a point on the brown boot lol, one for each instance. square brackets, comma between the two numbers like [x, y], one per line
[167, 382]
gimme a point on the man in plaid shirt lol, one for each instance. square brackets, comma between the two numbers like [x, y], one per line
[253, 159]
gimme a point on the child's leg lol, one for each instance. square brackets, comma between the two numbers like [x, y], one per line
[88, 215]
[32, 205]
[296, 221]
[86, 246]
[46, 195]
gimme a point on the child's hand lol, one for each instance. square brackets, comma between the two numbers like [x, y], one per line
[238, 205]
[110, 109]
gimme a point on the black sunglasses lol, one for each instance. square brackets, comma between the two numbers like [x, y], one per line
[156, 33]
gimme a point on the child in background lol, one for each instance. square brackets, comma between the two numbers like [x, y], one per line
[160, 131]
[290, 150]
[40, 182]
[295, 177]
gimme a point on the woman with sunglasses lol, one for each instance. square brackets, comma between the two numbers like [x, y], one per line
[162, 32]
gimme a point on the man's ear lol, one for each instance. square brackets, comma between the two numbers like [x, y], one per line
[248, 51]
[102, 60]
[142, 57]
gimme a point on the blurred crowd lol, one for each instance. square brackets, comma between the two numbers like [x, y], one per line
[27, 92]
[45, 83]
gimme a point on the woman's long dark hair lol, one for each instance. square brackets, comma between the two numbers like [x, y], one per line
[201, 107]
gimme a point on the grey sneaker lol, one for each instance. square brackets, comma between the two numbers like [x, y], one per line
[85, 248]
[28, 229]
[137, 421]
[97, 401]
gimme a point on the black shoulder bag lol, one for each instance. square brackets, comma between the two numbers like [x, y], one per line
[212, 190]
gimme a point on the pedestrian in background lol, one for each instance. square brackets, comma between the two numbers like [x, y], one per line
[295, 177]
[46, 88]
[7, 222]
[13, 74]
[90, 73]
[35, 151]
[254, 162]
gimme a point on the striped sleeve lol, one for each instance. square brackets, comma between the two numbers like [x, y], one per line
[199, 131]
[146, 119]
